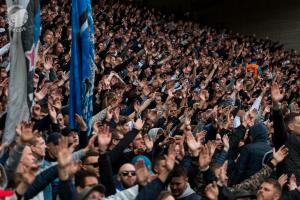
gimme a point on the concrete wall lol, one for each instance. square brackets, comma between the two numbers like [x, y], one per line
[277, 19]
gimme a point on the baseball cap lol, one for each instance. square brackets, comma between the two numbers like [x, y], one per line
[88, 190]
[67, 130]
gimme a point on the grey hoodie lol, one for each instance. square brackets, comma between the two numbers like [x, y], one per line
[188, 194]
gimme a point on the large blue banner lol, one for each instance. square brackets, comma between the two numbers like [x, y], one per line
[82, 63]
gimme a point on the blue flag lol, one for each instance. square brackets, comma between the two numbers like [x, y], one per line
[82, 63]
[24, 32]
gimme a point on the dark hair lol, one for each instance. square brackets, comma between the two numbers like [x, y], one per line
[115, 134]
[179, 171]
[80, 177]
[275, 184]
[289, 118]
[157, 159]
[122, 121]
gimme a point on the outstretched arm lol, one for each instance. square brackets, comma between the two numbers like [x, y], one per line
[280, 132]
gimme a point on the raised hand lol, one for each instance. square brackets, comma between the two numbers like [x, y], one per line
[265, 89]
[283, 179]
[203, 95]
[267, 109]
[41, 94]
[73, 168]
[292, 182]
[66, 76]
[214, 112]
[26, 132]
[170, 93]
[64, 156]
[204, 157]
[192, 143]
[81, 122]
[104, 138]
[239, 85]
[109, 114]
[52, 113]
[196, 62]
[4, 83]
[170, 158]
[116, 114]
[180, 153]
[187, 120]
[179, 139]
[249, 118]
[142, 173]
[48, 63]
[167, 141]
[29, 173]
[212, 146]
[276, 95]
[64, 159]
[279, 155]
[96, 126]
[148, 142]
[225, 140]
[138, 124]
[212, 191]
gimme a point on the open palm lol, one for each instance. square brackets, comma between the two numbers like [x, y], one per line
[276, 95]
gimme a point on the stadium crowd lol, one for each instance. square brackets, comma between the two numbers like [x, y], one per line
[181, 111]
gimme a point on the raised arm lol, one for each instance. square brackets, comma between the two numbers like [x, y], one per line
[117, 152]
[252, 183]
[27, 136]
[208, 79]
[152, 189]
[280, 132]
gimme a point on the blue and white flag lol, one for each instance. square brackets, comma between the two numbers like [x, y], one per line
[82, 71]
[24, 31]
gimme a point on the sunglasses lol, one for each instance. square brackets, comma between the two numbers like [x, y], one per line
[126, 173]
[93, 164]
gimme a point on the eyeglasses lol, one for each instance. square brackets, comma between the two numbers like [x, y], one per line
[93, 164]
[126, 173]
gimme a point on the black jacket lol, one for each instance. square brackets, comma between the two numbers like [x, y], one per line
[291, 164]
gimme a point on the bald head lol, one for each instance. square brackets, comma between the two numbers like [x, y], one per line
[127, 167]
[127, 175]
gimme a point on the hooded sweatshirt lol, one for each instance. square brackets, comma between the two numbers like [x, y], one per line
[251, 156]
[188, 194]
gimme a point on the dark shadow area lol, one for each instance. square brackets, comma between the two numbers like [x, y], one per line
[279, 20]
